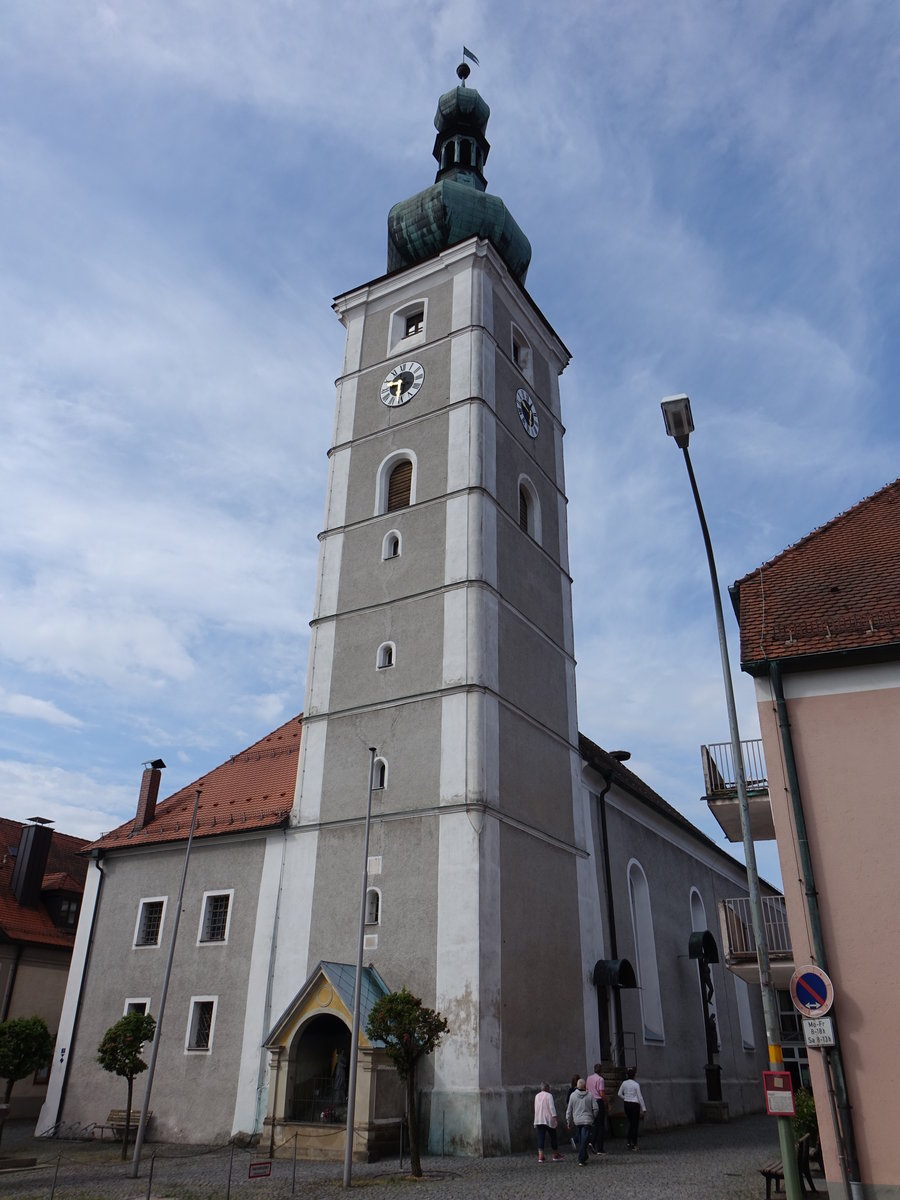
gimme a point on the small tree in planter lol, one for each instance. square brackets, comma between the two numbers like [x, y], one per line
[120, 1053]
[25, 1045]
[409, 1030]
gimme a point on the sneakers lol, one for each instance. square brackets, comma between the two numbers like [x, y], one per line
[540, 1158]
[591, 1148]
[557, 1158]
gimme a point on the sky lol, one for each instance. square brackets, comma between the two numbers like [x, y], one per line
[710, 190]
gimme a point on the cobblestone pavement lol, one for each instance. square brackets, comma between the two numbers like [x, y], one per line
[703, 1162]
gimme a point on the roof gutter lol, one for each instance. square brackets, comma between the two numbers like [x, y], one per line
[843, 1117]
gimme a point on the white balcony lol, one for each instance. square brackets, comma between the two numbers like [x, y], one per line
[739, 941]
[719, 778]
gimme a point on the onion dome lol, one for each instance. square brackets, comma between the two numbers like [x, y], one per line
[457, 206]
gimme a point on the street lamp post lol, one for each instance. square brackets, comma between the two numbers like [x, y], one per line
[679, 425]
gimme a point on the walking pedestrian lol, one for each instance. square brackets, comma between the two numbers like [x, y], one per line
[596, 1085]
[545, 1122]
[573, 1085]
[580, 1114]
[631, 1096]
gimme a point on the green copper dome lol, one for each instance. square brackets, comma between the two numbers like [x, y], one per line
[457, 206]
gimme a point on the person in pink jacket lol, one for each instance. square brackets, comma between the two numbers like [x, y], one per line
[545, 1121]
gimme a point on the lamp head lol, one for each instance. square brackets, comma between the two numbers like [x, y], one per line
[676, 412]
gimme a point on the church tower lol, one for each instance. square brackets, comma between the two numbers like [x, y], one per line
[442, 636]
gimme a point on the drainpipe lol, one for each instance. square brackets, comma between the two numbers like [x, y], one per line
[850, 1161]
[11, 982]
[617, 1049]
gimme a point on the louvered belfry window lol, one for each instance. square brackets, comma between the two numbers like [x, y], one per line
[400, 486]
[523, 509]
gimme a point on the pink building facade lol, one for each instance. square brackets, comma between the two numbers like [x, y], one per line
[820, 632]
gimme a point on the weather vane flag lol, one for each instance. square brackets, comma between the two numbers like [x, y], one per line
[467, 53]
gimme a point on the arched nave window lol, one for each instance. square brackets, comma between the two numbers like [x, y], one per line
[645, 953]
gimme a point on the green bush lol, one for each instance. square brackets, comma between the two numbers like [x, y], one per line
[805, 1116]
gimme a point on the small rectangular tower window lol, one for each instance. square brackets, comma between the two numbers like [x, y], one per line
[415, 323]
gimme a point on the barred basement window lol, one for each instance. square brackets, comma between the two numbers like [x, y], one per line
[216, 911]
[149, 922]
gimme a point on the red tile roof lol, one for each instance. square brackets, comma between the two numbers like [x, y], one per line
[34, 926]
[835, 591]
[253, 790]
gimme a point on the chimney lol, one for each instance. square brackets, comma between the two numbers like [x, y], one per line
[146, 809]
[31, 859]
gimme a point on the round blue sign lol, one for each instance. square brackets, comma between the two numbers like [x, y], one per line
[811, 991]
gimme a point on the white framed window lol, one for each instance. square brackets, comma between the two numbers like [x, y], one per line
[136, 1004]
[386, 657]
[529, 509]
[645, 955]
[392, 545]
[373, 906]
[521, 353]
[745, 1013]
[395, 485]
[151, 918]
[380, 777]
[215, 917]
[201, 1025]
[406, 327]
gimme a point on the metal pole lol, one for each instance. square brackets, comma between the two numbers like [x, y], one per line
[142, 1124]
[769, 999]
[150, 1175]
[357, 987]
[230, 1165]
[294, 1167]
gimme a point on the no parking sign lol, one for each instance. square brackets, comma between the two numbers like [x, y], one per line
[811, 991]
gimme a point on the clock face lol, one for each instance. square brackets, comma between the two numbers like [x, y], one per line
[528, 413]
[401, 383]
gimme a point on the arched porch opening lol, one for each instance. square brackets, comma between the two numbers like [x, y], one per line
[318, 1063]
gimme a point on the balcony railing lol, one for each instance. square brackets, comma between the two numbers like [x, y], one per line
[719, 774]
[739, 927]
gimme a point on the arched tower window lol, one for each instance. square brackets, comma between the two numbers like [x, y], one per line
[379, 779]
[386, 656]
[529, 508]
[390, 547]
[699, 925]
[396, 482]
[645, 953]
[373, 907]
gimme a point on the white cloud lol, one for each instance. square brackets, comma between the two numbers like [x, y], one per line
[31, 708]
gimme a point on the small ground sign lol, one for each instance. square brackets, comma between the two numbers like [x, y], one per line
[259, 1170]
[779, 1093]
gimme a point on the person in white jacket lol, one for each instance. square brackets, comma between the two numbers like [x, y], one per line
[545, 1122]
[631, 1097]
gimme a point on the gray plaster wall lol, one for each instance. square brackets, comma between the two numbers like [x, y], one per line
[368, 579]
[541, 1005]
[532, 768]
[671, 1073]
[532, 674]
[405, 955]
[117, 971]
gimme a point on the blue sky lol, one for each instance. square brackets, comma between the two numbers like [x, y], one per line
[710, 190]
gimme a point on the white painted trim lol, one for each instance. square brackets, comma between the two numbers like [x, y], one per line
[456, 540]
[338, 486]
[145, 1000]
[345, 410]
[50, 1110]
[836, 682]
[328, 581]
[250, 1100]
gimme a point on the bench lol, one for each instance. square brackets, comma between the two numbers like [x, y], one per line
[116, 1120]
[773, 1172]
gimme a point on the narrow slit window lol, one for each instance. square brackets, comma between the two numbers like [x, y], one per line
[523, 509]
[373, 907]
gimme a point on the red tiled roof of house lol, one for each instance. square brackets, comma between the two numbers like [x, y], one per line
[836, 590]
[253, 790]
[35, 925]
